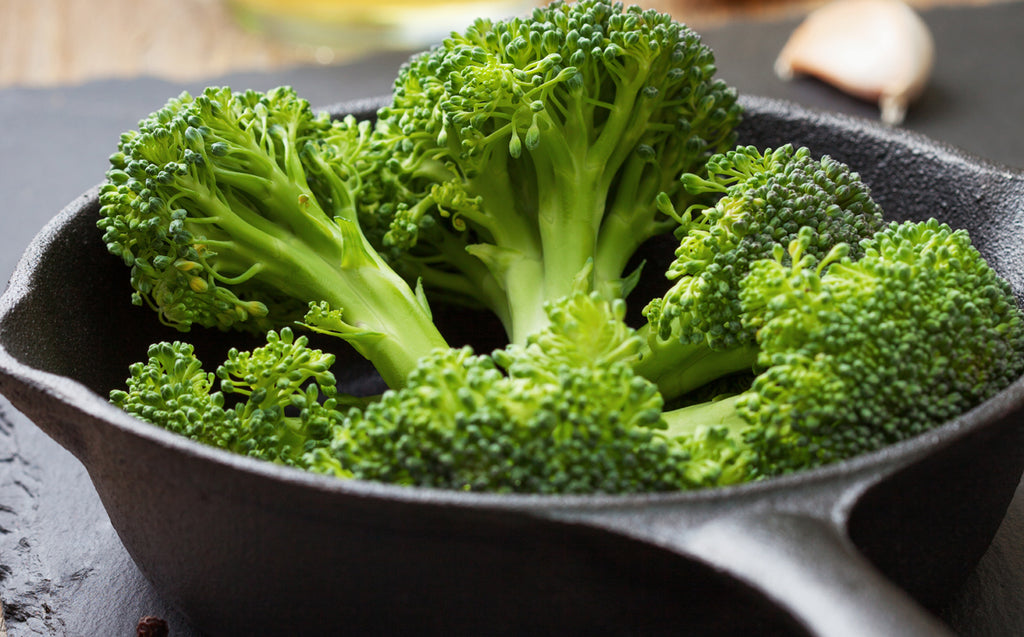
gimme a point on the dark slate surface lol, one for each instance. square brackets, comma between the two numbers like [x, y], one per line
[62, 568]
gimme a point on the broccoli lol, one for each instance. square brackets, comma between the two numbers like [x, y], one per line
[520, 150]
[284, 397]
[242, 209]
[698, 330]
[563, 413]
[855, 354]
[519, 167]
[862, 353]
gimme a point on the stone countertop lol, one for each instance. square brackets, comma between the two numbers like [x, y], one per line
[63, 570]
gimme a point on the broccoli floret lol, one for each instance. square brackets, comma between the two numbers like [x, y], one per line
[525, 148]
[542, 417]
[239, 209]
[862, 353]
[277, 402]
[698, 330]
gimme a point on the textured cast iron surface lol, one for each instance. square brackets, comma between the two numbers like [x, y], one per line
[242, 547]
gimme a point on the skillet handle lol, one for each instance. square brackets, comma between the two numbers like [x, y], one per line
[811, 569]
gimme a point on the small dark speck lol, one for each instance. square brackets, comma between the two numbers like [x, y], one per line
[151, 627]
[80, 574]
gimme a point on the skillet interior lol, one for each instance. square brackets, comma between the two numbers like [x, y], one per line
[391, 558]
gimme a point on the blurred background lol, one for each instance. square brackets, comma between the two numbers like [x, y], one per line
[54, 42]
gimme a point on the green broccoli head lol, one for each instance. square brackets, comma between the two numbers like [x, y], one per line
[879, 349]
[173, 390]
[184, 187]
[585, 330]
[699, 331]
[277, 402]
[861, 353]
[538, 144]
[766, 199]
[532, 418]
[241, 209]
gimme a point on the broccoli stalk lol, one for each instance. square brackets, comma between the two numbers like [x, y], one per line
[241, 210]
[698, 330]
[538, 145]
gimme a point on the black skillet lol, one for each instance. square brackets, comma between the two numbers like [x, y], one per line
[864, 547]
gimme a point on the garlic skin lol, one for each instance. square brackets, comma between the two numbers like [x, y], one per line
[877, 50]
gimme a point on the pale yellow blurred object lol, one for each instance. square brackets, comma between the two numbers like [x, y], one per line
[47, 42]
[373, 24]
[877, 50]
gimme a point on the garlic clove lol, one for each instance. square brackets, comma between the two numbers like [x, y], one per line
[877, 50]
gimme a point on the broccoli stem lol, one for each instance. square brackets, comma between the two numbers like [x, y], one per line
[569, 230]
[684, 421]
[402, 330]
[581, 219]
[631, 220]
[574, 178]
[522, 280]
[344, 270]
[677, 368]
[398, 329]
[508, 246]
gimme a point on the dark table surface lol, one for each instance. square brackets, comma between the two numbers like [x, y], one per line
[63, 570]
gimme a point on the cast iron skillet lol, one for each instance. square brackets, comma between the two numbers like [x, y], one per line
[859, 548]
